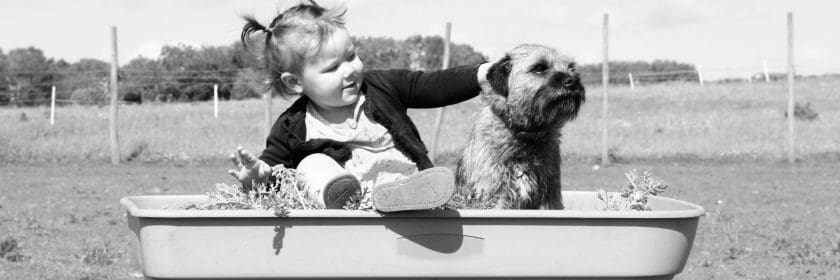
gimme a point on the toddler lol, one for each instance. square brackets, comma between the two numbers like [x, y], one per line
[350, 128]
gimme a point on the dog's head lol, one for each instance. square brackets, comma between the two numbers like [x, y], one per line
[534, 89]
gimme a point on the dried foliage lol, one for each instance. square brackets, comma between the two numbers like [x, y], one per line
[635, 195]
[465, 200]
[360, 201]
[284, 192]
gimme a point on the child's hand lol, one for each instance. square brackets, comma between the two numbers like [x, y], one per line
[250, 169]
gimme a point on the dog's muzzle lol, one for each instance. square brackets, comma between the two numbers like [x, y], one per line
[564, 80]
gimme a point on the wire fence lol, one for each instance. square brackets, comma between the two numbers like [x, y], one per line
[37, 84]
[76, 87]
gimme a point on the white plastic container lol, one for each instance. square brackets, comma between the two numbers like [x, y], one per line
[583, 242]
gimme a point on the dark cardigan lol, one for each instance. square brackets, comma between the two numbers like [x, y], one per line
[388, 95]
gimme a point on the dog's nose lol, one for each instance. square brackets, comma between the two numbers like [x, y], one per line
[572, 80]
[566, 80]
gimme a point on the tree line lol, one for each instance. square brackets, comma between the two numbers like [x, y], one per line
[187, 73]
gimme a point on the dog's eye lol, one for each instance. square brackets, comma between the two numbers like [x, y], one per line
[572, 67]
[540, 69]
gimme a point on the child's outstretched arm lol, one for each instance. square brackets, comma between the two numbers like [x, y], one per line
[417, 89]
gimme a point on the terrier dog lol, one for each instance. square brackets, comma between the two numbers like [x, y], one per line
[512, 158]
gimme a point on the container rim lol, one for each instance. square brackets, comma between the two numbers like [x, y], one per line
[129, 203]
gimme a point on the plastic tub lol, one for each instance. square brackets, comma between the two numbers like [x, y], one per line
[579, 243]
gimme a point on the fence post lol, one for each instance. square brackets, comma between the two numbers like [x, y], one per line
[440, 111]
[52, 107]
[790, 78]
[700, 74]
[630, 75]
[267, 99]
[749, 78]
[605, 78]
[115, 145]
[766, 73]
[216, 101]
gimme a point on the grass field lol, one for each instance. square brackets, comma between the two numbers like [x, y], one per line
[676, 121]
[720, 146]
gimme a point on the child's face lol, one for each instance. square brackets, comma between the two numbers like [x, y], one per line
[332, 78]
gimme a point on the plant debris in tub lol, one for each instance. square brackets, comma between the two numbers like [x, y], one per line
[634, 196]
[283, 192]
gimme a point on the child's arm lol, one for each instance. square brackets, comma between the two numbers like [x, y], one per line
[250, 169]
[417, 89]
[276, 152]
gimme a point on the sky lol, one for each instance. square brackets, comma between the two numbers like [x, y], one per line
[725, 38]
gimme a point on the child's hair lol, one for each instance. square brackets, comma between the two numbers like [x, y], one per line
[291, 37]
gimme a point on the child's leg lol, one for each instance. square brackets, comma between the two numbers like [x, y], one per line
[327, 183]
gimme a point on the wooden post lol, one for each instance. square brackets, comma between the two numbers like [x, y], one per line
[630, 75]
[52, 107]
[267, 99]
[790, 78]
[700, 74]
[115, 144]
[216, 101]
[766, 73]
[605, 80]
[749, 78]
[439, 118]
[13, 97]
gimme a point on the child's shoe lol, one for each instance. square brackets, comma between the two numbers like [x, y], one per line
[426, 189]
[339, 190]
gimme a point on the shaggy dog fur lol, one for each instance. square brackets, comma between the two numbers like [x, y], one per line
[512, 158]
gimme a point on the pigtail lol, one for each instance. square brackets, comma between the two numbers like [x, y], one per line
[316, 9]
[251, 26]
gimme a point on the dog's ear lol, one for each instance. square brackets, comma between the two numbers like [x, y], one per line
[498, 74]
